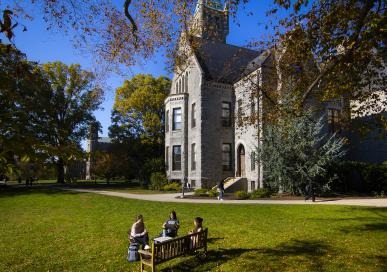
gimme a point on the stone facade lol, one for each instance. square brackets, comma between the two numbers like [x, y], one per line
[205, 141]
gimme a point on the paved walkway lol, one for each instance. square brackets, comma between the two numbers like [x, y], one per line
[372, 202]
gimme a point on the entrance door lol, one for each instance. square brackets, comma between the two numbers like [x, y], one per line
[241, 161]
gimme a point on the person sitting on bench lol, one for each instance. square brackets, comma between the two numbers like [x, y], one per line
[198, 223]
[171, 226]
[138, 233]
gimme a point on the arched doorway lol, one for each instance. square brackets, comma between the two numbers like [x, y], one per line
[241, 165]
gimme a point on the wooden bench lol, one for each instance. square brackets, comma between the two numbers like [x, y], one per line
[168, 250]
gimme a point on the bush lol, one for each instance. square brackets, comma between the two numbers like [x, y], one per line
[241, 195]
[173, 186]
[157, 181]
[213, 193]
[201, 192]
[359, 177]
[261, 193]
[375, 177]
[149, 167]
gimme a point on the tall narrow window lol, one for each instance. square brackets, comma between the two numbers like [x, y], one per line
[334, 120]
[176, 119]
[252, 158]
[226, 114]
[252, 109]
[177, 87]
[193, 157]
[183, 84]
[167, 121]
[193, 115]
[180, 88]
[239, 112]
[176, 158]
[226, 157]
[186, 82]
[167, 158]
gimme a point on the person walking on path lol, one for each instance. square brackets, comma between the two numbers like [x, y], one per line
[221, 190]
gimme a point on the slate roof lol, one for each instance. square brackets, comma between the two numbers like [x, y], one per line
[223, 62]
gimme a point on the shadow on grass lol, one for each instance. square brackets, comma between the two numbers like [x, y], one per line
[10, 191]
[309, 254]
[382, 227]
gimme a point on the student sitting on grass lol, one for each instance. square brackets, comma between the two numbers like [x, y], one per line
[138, 233]
[171, 226]
[198, 223]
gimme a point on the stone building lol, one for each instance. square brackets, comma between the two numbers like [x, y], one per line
[204, 139]
[95, 143]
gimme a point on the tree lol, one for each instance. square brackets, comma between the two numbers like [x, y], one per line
[68, 105]
[21, 84]
[295, 152]
[141, 99]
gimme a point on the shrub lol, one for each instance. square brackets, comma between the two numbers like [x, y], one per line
[149, 167]
[173, 186]
[375, 177]
[261, 193]
[241, 195]
[201, 192]
[213, 193]
[157, 180]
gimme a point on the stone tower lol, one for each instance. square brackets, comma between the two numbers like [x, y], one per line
[211, 21]
[92, 144]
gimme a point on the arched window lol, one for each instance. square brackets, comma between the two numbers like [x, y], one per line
[176, 87]
[182, 84]
[186, 82]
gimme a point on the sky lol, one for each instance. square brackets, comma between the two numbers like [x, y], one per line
[46, 46]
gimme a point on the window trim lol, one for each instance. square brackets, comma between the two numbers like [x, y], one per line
[193, 156]
[193, 115]
[229, 153]
[226, 121]
[173, 118]
[174, 161]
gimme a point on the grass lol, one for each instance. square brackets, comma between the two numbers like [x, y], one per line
[46, 230]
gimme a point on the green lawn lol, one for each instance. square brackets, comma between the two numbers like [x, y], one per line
[64, 231]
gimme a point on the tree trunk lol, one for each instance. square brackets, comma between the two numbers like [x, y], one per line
[60, 169]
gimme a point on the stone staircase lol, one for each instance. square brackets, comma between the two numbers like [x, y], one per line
[233, 184]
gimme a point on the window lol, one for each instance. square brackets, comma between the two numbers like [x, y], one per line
[176, 158]
[334, 120]
[193, 183]
[167, 121]
[193, 157]
[226, 157]
[183, 84]
[186, 82]
[176, 87]
[176, 119]
[193, 115]
[252, 110]
[239, 113]
[167, 157]
[226, 114]
[180, 88]
[253, 159]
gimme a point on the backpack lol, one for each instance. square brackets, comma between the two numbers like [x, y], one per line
[133, 255]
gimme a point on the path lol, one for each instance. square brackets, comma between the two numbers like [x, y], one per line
[372, 202]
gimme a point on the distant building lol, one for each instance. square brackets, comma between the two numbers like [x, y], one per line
[94, 144]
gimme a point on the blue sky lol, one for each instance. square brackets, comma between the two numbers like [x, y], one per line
[44, 46]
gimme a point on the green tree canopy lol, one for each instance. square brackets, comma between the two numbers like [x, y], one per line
[70, 99]
[141, 101]
[295, 153]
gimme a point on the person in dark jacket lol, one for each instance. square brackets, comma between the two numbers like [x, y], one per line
[171, 226]
[221, 190]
